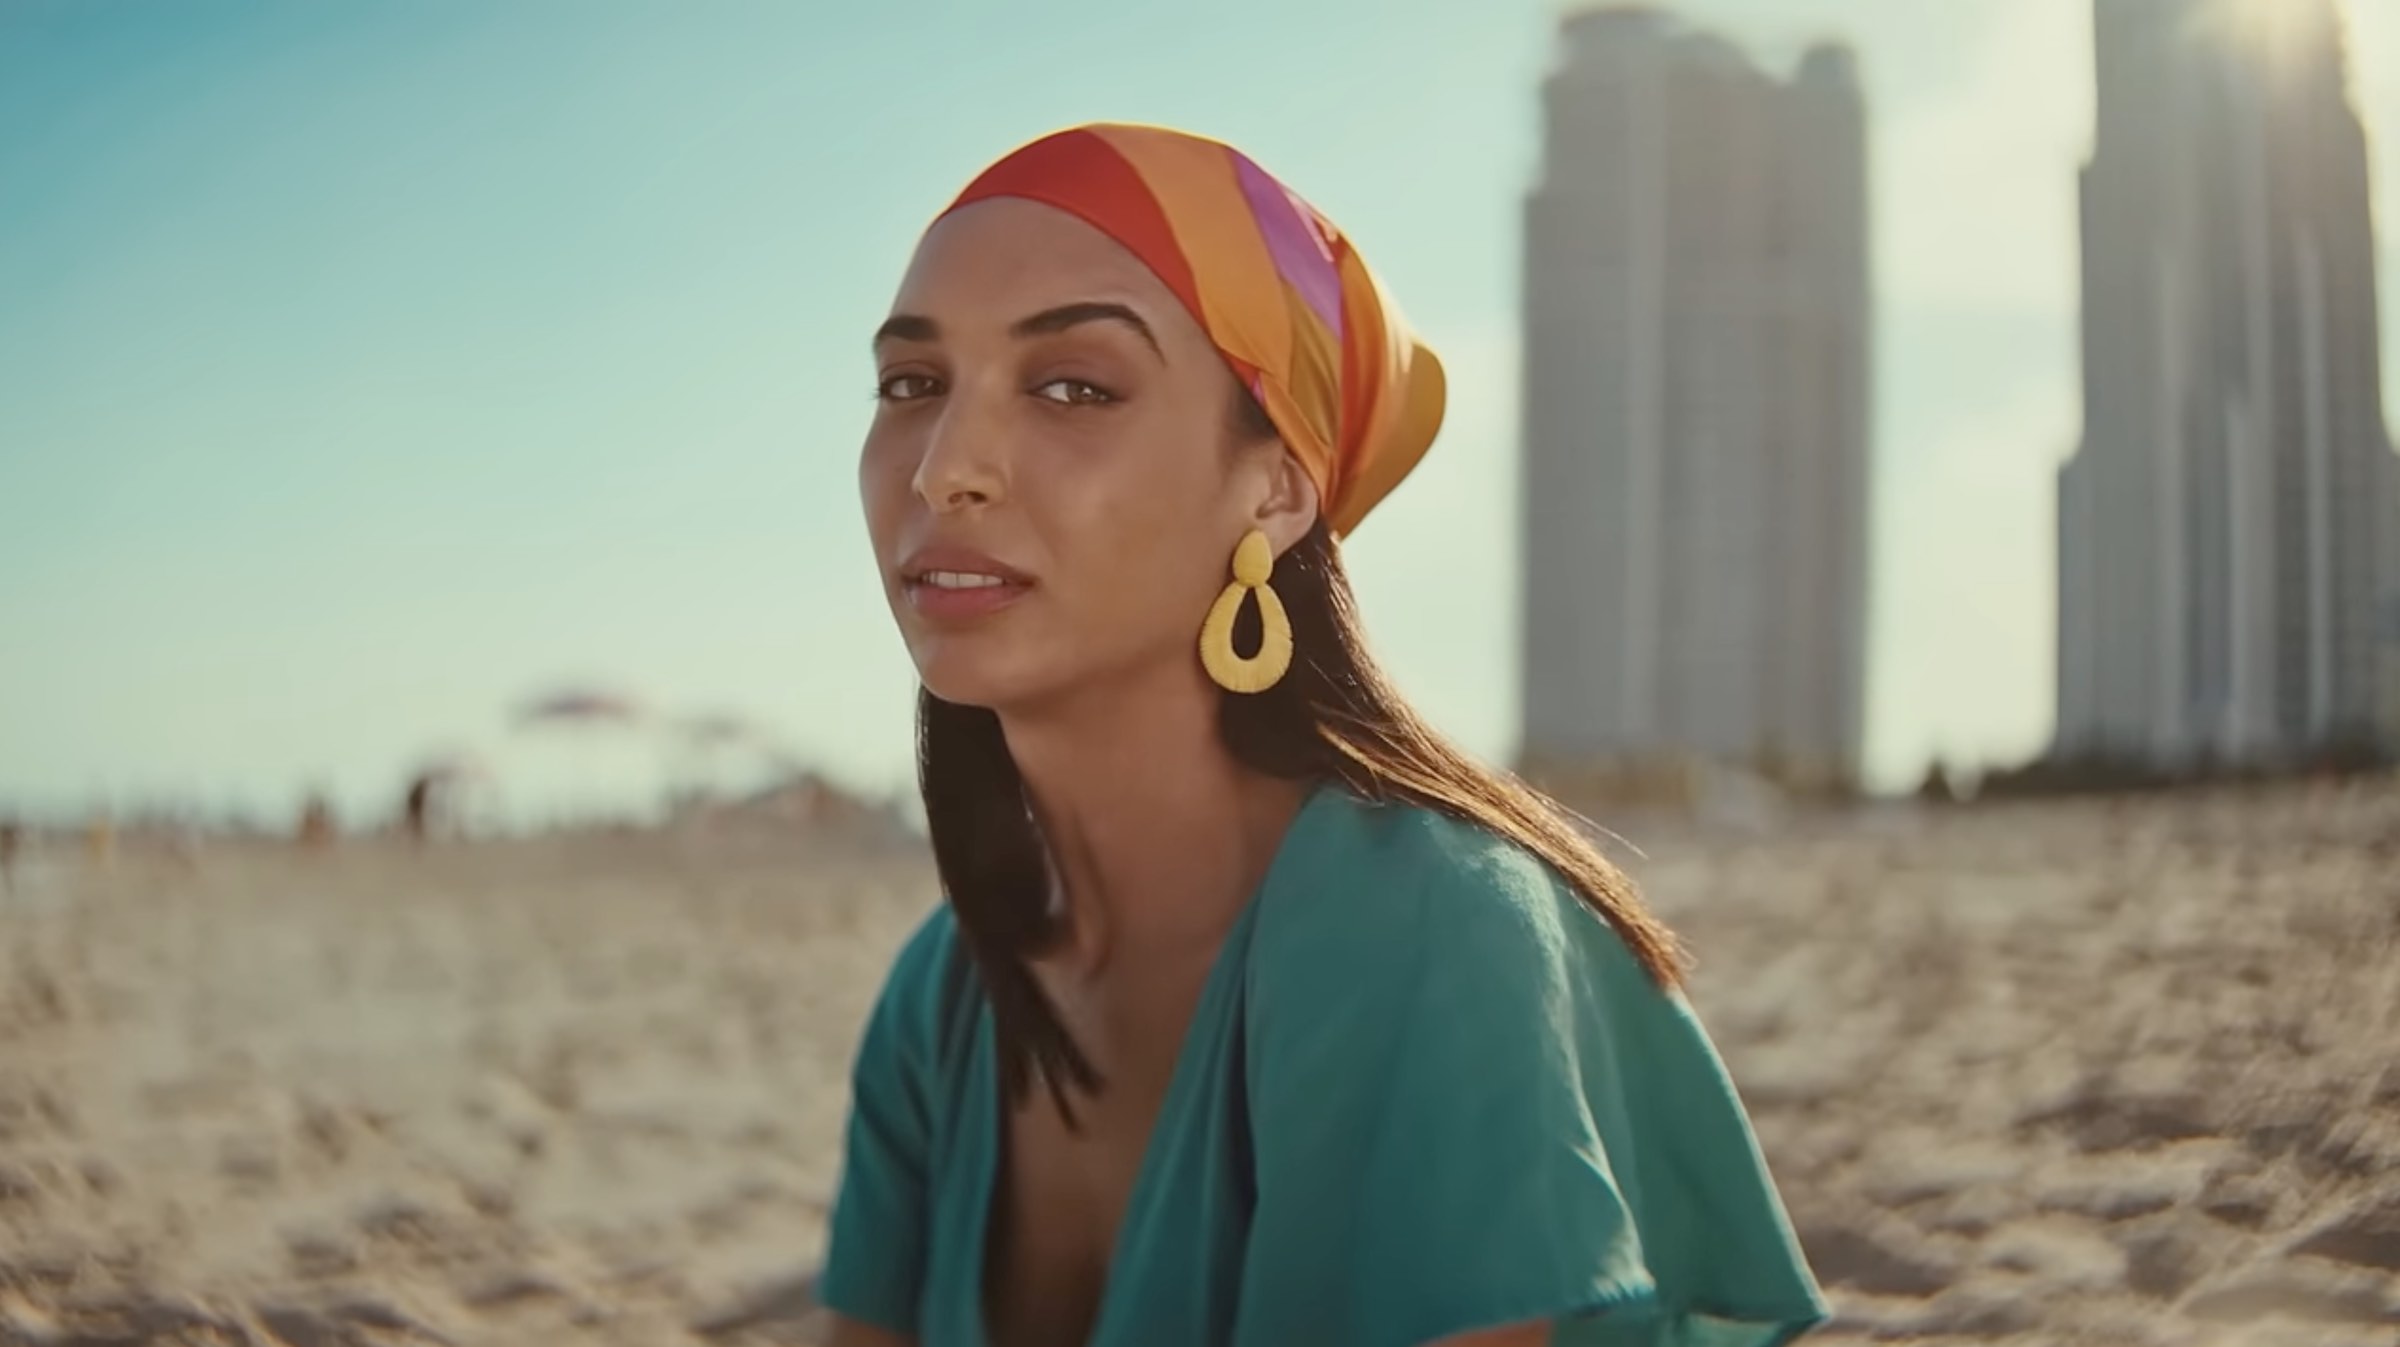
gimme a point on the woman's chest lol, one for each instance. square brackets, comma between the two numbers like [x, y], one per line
[1057, 1207]
[1128, 1230]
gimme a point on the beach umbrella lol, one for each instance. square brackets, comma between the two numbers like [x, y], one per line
[582, 706]
[583, 710]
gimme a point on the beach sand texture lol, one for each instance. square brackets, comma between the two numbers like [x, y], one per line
[2123, 1072]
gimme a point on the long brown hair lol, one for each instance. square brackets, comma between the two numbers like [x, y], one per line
[1333, 717]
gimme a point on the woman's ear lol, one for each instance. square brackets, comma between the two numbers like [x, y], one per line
[1288, 506]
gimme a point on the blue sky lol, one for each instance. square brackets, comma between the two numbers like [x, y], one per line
[366, 369]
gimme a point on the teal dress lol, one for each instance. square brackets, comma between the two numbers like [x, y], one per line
[1426, 1090]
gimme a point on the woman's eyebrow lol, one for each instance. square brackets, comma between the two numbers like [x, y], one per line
[919, 328]
[1065, 316]
[907, 327]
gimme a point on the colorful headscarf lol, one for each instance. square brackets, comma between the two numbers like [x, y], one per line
[1279, 290]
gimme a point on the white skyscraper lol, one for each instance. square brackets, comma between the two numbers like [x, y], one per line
[1696, 364]
[2227, 530]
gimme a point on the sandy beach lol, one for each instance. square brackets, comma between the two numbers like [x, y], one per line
[2123, 1072]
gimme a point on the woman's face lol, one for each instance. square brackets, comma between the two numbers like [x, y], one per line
[1051, 483]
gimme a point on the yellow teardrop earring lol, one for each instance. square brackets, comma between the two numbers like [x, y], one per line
[1253, 562]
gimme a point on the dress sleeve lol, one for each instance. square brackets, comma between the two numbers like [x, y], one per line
[1471, 1108]
[875, 1260]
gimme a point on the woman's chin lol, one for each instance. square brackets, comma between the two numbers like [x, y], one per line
[1039, 677]
[965, 678]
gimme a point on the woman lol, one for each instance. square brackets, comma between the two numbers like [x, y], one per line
[1256, 1013]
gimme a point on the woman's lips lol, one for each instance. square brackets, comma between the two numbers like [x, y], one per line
[956, 595]
[951, 582]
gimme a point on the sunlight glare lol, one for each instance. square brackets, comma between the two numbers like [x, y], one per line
[2287, 33]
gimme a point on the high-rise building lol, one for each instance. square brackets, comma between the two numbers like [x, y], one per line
[2229, 528]
[1695, 406]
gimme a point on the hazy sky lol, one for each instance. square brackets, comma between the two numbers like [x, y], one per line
[365, 369]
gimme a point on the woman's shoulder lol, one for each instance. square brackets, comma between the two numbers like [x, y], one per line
[1398, 861]
[1395, 881]
[1445, 1036]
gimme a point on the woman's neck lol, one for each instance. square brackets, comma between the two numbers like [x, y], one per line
[1158, 834]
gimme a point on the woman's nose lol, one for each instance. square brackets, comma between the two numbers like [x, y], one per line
[961, 466]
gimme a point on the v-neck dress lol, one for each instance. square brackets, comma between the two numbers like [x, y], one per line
[1426, 1090]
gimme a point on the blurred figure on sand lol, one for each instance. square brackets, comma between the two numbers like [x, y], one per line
[415, 814]
[441, 798]
[11, 834]
[316, 822]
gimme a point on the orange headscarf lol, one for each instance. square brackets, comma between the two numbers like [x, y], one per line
[1279, 290]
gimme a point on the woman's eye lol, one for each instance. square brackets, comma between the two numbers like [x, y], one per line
[1074, 393]
[904, 388]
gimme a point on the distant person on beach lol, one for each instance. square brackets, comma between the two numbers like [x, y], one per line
[100, 841]
[419, 807]
[1257, 1013]
[316, 822]
[11, 837]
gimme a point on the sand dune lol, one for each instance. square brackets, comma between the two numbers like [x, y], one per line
[2120, 1073]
